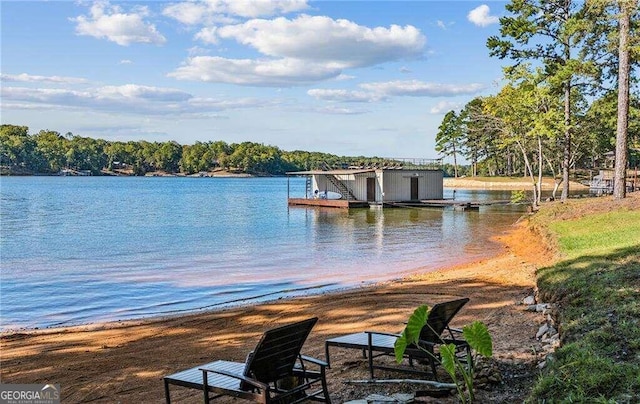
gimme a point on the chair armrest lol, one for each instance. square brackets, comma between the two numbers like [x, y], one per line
[314, 360]
[243, 378]
[383, 333]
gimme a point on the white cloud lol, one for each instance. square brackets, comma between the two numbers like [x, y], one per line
[443, 25]
[125, 99]
[277, 73]
[374, 92]
[207, 35]
[344, 95]
[260, 8]
[299, 51]
[198, 51]
[417, 88]
[481, 17]
[133, 91]
[405, 70]
[333, 110]
[189, 13]
[339, 43]
[29, 78]
[110, 22]
[443, 107]
[126, 62]
[343, 77]
[224, 11]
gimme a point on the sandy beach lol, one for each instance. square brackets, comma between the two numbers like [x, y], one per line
[510, 185]
[125, 362]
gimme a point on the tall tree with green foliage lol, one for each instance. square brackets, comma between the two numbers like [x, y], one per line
[53, 148]
[194, 158]
[545, 31]
[479, 143]
[18, 149]
[612, 33]
[525, 113]
[624, 65]
[85, 153]
[449, 137]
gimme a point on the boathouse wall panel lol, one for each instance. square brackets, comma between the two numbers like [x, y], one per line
[433, 186]
[357, 183]
[397, 185]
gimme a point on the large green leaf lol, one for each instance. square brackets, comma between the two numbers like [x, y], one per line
[417, 320]
[448, 358]
[400, 346]
[477, 336]
[411, 332]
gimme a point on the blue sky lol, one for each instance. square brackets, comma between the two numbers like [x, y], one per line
[369, 78]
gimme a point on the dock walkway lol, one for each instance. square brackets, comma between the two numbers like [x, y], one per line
[430, 203]
[443, 203]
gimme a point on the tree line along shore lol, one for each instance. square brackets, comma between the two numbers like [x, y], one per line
[49, 152]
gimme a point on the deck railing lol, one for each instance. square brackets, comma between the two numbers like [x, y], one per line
[400, 163]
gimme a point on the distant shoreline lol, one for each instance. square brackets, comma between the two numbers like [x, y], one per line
[502, 183]
[105, 173]
[488, 183]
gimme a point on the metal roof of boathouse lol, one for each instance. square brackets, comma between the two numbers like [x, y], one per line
[334, 172]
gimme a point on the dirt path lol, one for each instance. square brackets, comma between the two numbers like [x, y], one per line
[125, 362]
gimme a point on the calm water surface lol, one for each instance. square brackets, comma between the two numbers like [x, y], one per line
[78, 250]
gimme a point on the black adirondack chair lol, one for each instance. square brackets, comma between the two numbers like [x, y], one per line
[274, 372]
[374, 344]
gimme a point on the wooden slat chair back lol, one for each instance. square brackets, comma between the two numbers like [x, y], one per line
[275, 359]
[374, 344]
[277, 352]
[439, 318]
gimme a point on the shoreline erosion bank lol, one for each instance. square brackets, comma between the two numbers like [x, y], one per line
[125, 361]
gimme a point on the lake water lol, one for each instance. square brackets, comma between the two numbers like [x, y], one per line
[77, 250]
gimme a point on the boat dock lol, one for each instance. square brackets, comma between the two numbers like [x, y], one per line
[444, 203]
[328, 203]
[429, 203]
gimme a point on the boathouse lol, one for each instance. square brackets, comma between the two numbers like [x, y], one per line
[362, 187]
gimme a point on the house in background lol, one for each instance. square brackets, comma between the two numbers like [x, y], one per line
[362, 187]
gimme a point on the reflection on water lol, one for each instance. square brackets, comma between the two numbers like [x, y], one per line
[78, 250]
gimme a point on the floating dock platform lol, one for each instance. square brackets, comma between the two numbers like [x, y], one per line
[431, 203]
[328, 203]
[444, 203]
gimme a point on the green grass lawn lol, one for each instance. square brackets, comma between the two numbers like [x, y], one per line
[596, 286]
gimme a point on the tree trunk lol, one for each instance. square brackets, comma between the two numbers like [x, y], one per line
[556, 181]
[620, 176]
[566, 153]
[528, 168]
[455, 162]
[540, 161]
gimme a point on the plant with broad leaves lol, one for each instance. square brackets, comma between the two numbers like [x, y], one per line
[475, 334]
